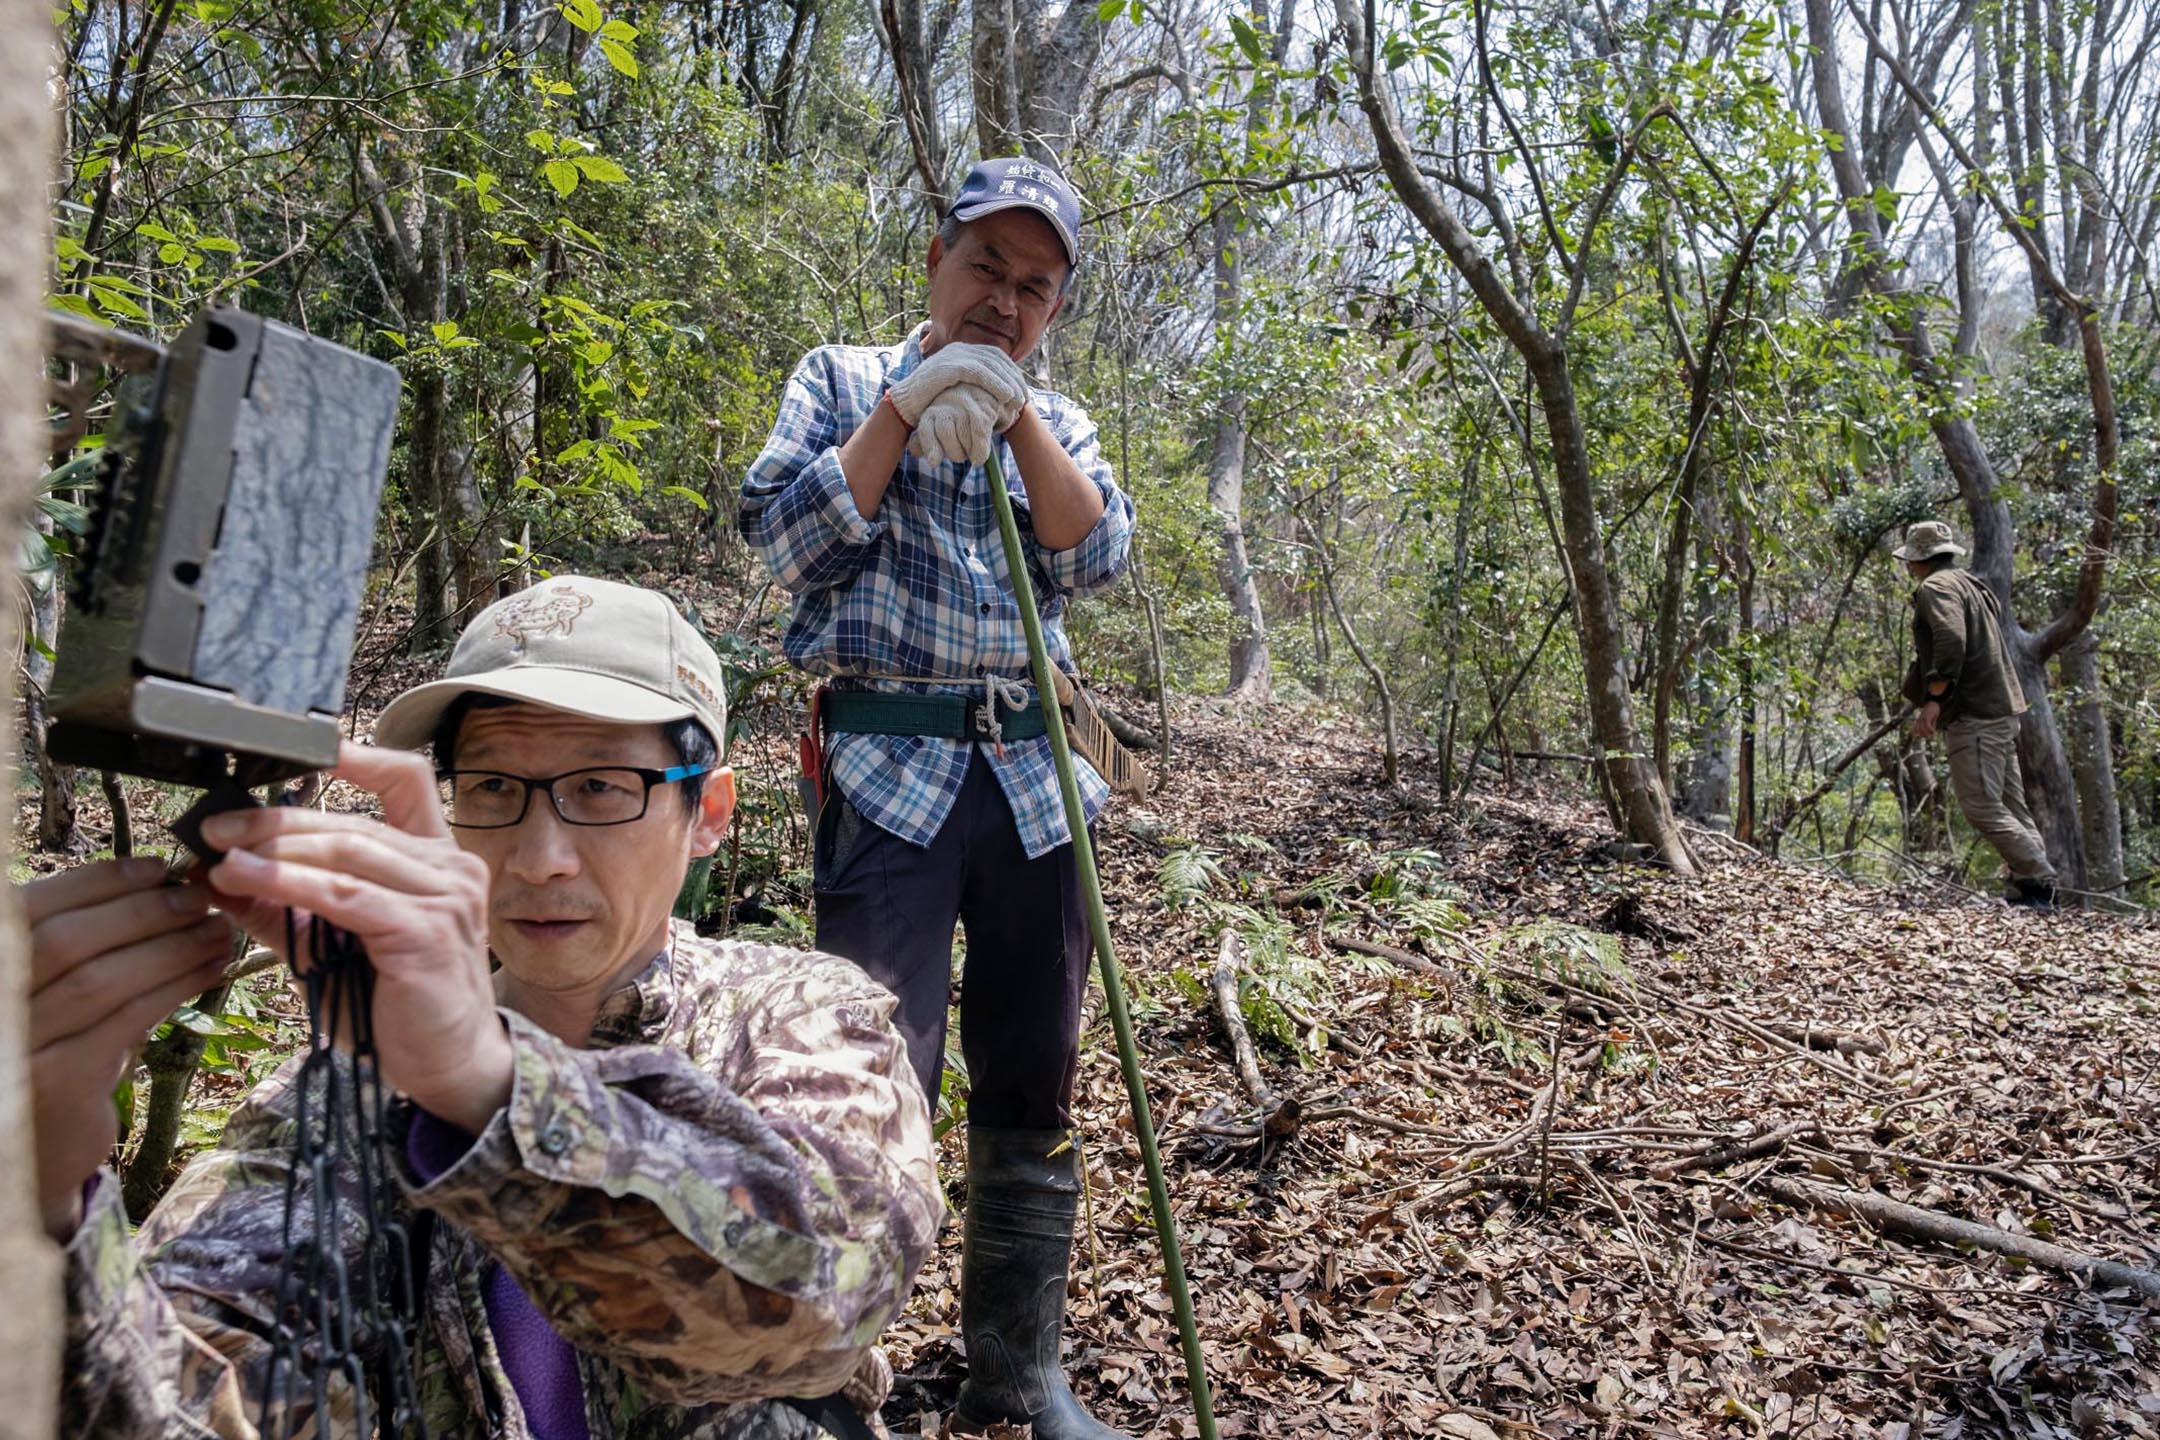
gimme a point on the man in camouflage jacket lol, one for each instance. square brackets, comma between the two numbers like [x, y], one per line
[673, 1180]
[1962, 682]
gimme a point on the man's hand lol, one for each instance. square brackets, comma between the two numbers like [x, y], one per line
[113, 950]
[1929, 721]
[412, 897]
[959, 425]
[987, 368]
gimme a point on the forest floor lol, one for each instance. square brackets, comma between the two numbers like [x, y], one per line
[1457, 1236]
[1447, 1232]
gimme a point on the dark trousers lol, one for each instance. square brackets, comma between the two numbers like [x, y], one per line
[890, 906]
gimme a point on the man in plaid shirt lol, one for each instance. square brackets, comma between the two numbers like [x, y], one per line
[871, 505]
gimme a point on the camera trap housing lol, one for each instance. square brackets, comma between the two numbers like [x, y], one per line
[211, 616]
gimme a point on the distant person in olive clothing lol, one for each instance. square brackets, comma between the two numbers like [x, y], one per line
[1963, 684]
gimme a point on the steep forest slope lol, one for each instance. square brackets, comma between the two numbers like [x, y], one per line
[1455, 1229]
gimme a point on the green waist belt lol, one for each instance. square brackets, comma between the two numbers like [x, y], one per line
[939, 717]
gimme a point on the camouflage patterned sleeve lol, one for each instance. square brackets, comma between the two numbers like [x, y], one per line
[729, 1216]
[165, 1329]
[132, 1370]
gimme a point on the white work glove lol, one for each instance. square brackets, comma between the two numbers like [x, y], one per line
[959, 425]
[987, 368]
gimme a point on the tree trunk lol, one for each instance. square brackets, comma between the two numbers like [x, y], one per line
[2092, 749]
[996, 78]
[1641, 796]
[1055, 65]
[59, 829]
[1624, 759]
[1450, 690]
[30, 1322]
[1705, 790]
[1744, 791]
[1390, 766]
[907, 35]
[2050, 787]
[1251, 677]
[423, 458]
[172, 1062]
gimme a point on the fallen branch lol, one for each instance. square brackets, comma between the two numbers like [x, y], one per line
[1731, 1152]
[1869, 1277]
[1280, 1114]
[1895, 1217]
[2001, 1174]
[1407, 959]
[1823, 1037]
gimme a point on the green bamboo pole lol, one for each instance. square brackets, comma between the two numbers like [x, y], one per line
[1099, 922]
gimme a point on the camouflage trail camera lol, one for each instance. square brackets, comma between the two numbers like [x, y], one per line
[211, 619]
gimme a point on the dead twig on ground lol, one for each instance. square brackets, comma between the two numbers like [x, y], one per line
[1896, 1217]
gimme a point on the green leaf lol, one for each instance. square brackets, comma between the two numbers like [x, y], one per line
[217, 243]
[619, 55]
[621, 471]
[155, 231]
[541, 140]
[600, 168]
[1248, 39]
[684, 492]
[171, 253]
[1108, 10]
[585, 14]
[112, 302]
[562, 175]
[444, 330]
[571, 454]
[621, 30]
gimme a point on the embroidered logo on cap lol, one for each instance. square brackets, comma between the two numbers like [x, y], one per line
[541, 612]
[697, 683]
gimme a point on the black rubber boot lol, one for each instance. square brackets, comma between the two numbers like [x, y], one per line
[1022, 1201]
[2035, 894]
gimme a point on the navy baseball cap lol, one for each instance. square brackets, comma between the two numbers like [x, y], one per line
[995, 185]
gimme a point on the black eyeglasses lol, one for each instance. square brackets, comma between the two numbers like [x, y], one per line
[603, 795]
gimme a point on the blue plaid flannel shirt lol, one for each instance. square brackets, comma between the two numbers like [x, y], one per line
[921, 590]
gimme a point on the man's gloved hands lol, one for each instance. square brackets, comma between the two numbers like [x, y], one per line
[957, 400]
[959, 425]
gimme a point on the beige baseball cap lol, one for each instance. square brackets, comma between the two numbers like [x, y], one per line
[596, 648]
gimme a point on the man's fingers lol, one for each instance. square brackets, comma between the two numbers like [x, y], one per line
[65, 939]
[251, 829]
[359, 906]
[89, 885]
[83, 998]
[374, 855]
[405, 781]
